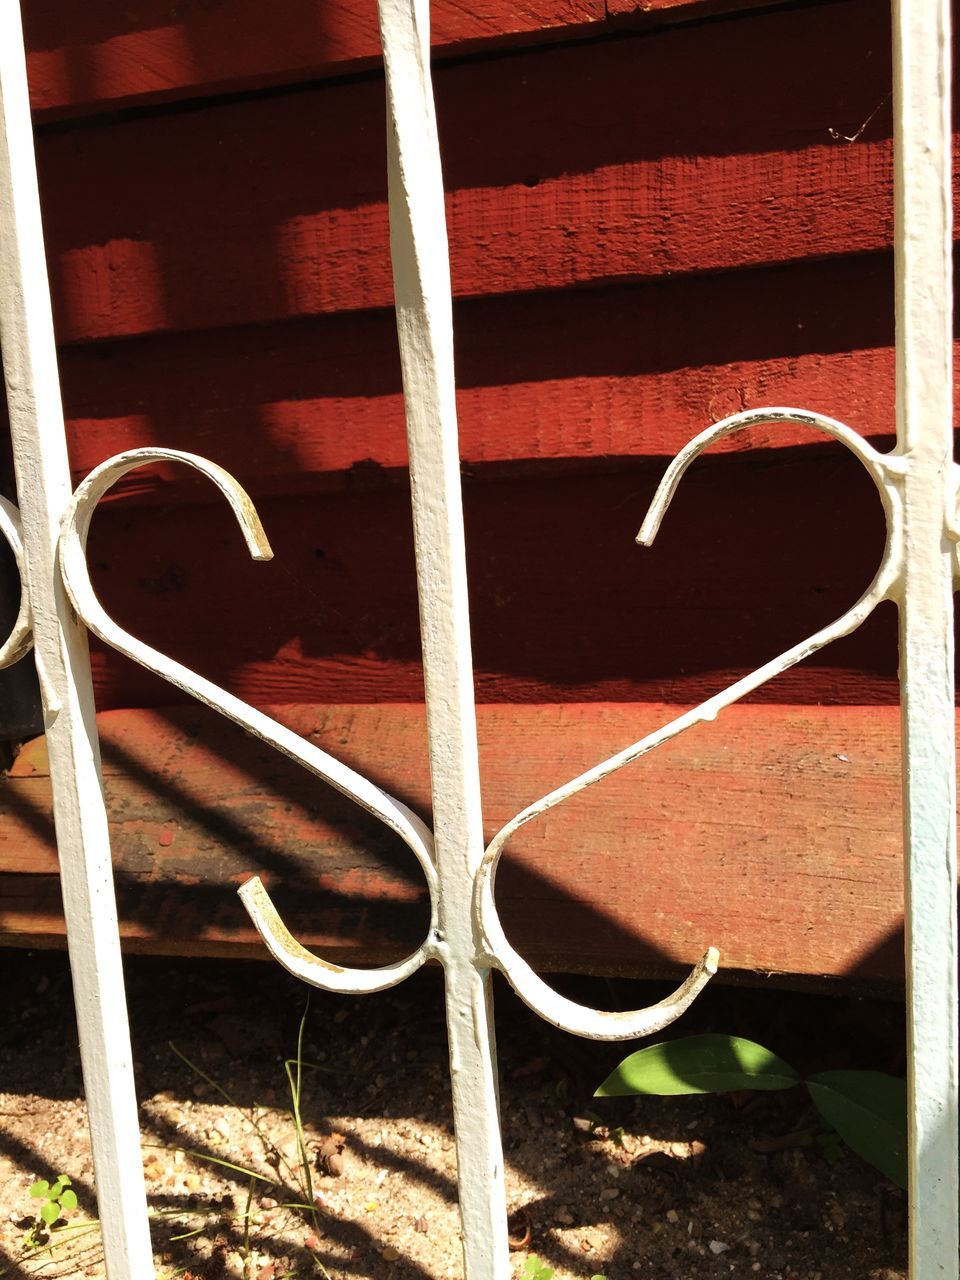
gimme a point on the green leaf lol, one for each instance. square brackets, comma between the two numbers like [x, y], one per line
[50, 1212]
[65, 1181]
[699, 1064]
[68, 1200]
[869, 1111]
[40, 1190]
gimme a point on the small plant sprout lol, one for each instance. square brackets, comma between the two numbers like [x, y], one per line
[58, 1199]
[534, 1269]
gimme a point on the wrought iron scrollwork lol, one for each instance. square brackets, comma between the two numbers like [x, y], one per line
[493, 947]
[391, 812]
[886, 471]
[395, 815]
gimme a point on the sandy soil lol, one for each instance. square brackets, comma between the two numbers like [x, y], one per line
[734, 1187]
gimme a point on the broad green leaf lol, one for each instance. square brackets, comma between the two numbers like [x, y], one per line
[50, 1212]
[65, 1181]
[869, 1111]
[40, 1190]
[699, 1064]
[68, 1200]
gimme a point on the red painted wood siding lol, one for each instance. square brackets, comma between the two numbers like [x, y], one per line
[664, 241]
[653, 223]
[94, 56]
[637, 158]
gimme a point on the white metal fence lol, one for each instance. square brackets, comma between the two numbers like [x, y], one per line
[918, 485]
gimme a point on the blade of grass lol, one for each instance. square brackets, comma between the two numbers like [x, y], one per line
[187, 1235]
[226, 1164]
[246, 1219]
[296, 1084]
[243, 1111]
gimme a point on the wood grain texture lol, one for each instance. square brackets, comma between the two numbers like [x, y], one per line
[637, 13]
[625, 371]
[774, 835]
[100, 55]
[334, 616]
[638, 157]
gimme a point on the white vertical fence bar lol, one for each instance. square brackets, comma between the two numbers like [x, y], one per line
[421, 272]
[921, 30]
[43, 481]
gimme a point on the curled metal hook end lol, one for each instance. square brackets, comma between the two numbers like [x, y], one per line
[650, 527]
[254, 534]
[772, 415]
[665, 491]
[280, 942]
[303, 964]
[684, 996]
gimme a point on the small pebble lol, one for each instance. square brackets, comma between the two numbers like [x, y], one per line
[672, 1215]
[390, 1254]
[609, 1193]
[717, 1247]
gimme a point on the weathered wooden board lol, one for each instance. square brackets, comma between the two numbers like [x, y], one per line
[565, 606]
[100, 54]
[638, 157]
[625, 371]
[774, 834]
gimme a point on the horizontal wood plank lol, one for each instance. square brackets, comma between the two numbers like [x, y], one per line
[565, 605]
[627, 371]
[84, 58]
[773, 834]
[639, 157]
[100, 55]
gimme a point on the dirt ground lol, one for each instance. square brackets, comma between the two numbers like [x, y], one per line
[740, 1187]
